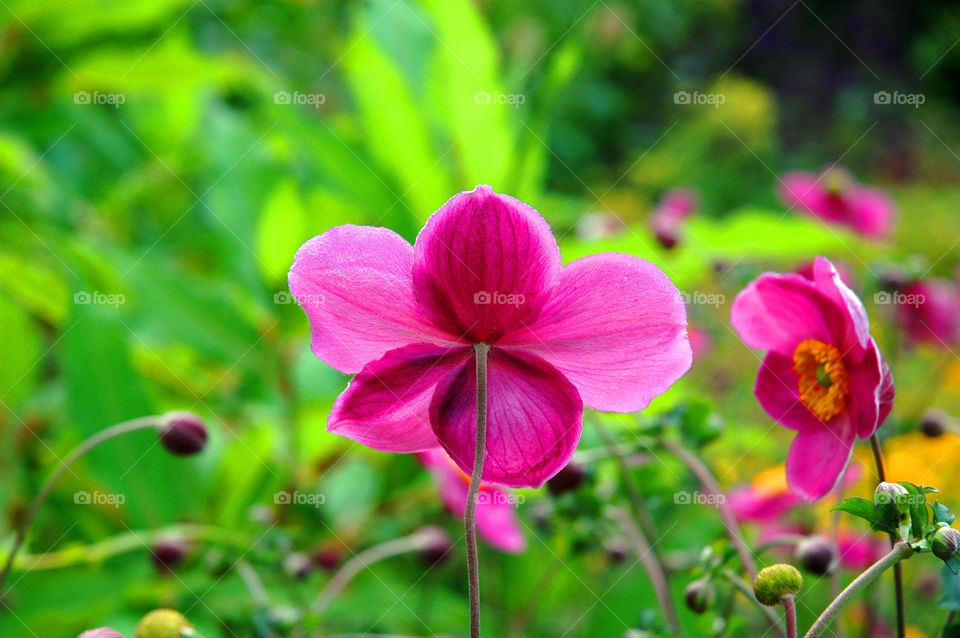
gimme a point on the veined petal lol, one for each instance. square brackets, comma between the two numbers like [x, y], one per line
[777, 391]
[484, 263]
[819, 455]
[866, 388]
[534, 418]
[387, 405]
[615, 327]
[355, 285]
[857, 326]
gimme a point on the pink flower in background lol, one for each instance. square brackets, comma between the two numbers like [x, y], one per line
[497, 521]
[666, 220]
[836, 197]
[928, 311]
[823, 375]
[606, 331]
[766, 499]
[844, 270]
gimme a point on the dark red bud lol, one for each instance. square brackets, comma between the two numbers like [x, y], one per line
[437, 545]
[169, 553]
[568, 479]
[183, 433]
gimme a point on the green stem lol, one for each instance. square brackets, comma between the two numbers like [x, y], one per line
[897, 569]
[470, 516]
[899, 552]
[111, 432]
[747, 590]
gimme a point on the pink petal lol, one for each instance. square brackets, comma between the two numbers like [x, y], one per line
[355, 284]
[533, 418]
[777, 391]
[866, 386]
[776, 312]
[872, 212]
[818, 457]
[484, 263]
[615, 327]
[386, 406]
[857, 326]
[807, 193]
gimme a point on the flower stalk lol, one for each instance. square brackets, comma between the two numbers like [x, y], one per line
[790, 613]
[897, 569]
[470, 516]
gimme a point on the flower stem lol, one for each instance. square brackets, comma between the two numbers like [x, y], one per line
[899, 552]
[790, 613]
[897, 569]
[727, 517]
[470, 516]
[111, 432]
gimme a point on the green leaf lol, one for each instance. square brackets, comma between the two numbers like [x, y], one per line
[22, 351]
[860, 507]
[917, 509]
[942, 514]
[281, 229]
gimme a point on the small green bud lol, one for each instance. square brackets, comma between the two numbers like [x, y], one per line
[164, 623]
[775, 582]
[699, 595]
[946, 543]
[889, 493]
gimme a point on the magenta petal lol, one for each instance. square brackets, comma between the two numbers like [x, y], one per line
[387, 405]
[818, 457]
[872, 212]
[484, 263]
[866, 387]
[533, 418]
[776, 312]
[616, 328]
[857, 331]
[355, 284]
[777, 391]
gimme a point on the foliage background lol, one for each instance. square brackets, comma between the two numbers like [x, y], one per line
[190, 198]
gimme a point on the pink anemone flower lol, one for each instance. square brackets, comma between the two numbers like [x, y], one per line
[928, 311]
[497, 521]
[606, 331]
[836, 197]
[823, 375]
[666, 220]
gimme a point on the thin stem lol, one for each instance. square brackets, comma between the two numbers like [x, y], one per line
[113, 431]
[644, 551]
[897, 569]
[899, 552]
[790, 613]
[947, 623]
[747, 590]
[470, 516]
[727, 517]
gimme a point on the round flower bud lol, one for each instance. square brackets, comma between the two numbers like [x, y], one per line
[437, 545]
[169, 553]
[888, 493]
[101, 632]
[946, 543]
[775, 582]
[617, 550]
[699, 595]
[817, 554]
[183, 433]
[297, 565]
[934, 422]
[164, 623]
[327, 559]
[569, 479]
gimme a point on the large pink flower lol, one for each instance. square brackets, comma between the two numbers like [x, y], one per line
[497, 521]
[823, 375]
[606, 331]
[835, 196]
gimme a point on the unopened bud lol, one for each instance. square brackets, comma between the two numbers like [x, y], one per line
[946, 543]
[817, 554]
[101, 632]
[569, 479]
[297, 565]
[437, 545]
[183, 433]
[164, 623]
[617, 550]
[699, 595]
[327, 559]
[775, 582]
[889, 493]
[169, 553]
[934, 422]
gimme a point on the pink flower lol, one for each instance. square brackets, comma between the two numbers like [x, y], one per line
[666, 220]
[497, 521]
[606, 331]
[835, 196]
[928, 311]
[766, 499]
[823, 375]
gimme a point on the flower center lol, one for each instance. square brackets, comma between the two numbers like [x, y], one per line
[824, 382]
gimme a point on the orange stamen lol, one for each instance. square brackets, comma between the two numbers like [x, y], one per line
[824, 382]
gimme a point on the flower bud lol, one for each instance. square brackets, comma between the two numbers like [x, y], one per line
[297, 565]
[946, 543]
[934, 422]
[617, 550]
[327, 559]
[164, 623]
[569, 479]
[699, 595]
[183, 433]
[889, 493]
[169, 553]
[437, 545]
[817, 554]
[775, 582]
[101, 632]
